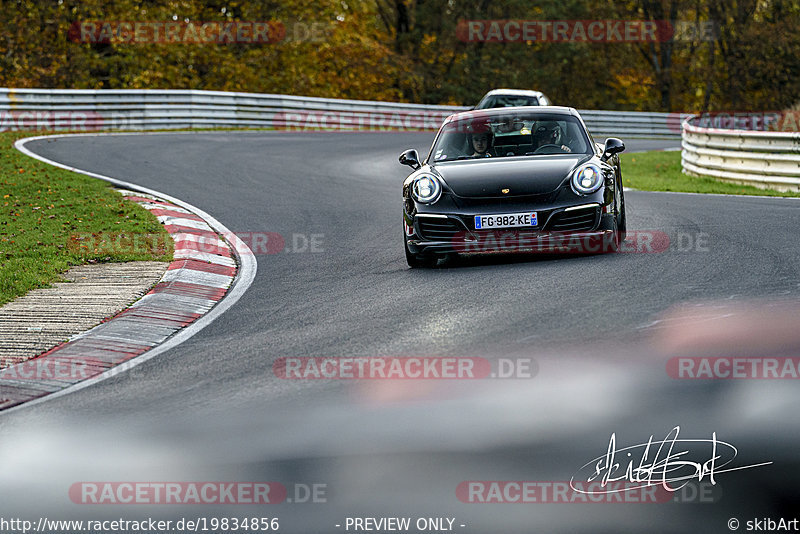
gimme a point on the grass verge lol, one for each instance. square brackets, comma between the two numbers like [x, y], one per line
[52, 219]
[661, 171]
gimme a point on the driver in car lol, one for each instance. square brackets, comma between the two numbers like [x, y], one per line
[481, 143]
[549, 134]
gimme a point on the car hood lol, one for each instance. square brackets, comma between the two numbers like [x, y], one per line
[521, 176]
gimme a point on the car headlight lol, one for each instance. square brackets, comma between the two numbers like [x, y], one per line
[587, 179]
[426, 189]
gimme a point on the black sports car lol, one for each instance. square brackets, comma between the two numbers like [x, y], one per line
[522, 179]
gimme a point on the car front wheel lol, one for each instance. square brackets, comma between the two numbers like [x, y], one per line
[620, 231]
[416, 261]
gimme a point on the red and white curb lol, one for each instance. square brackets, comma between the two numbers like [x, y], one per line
[208, 274]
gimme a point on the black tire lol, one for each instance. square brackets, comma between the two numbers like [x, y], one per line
[622, 224]
[619, 232]
[620, 227]
[417, 261]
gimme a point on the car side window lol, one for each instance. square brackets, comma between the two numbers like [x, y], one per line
[574, 139]
[455, 146]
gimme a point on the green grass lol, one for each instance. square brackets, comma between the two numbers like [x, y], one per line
[661, 171]
[52, 219]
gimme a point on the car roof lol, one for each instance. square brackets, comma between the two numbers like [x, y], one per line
[477, 113]
[513, 92]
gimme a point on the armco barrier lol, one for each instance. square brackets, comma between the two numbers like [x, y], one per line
[769, 160]
[152, 109]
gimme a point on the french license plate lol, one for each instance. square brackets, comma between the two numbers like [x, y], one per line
[505, 220]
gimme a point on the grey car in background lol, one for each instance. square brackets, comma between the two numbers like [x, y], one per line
[505, 98]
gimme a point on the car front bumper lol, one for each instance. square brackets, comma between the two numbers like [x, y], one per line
[583, 228]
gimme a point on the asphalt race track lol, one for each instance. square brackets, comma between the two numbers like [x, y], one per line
[591, 322]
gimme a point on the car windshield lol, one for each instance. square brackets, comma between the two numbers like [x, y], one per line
[513, 134]
[508, 101]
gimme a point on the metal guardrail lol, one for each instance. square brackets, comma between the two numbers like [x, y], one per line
[151, 109]
[768, 160]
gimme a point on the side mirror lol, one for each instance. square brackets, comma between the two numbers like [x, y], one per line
[410, 158]
[613, 146]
